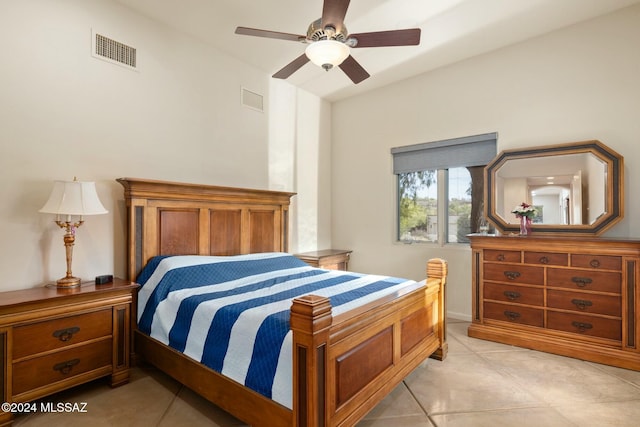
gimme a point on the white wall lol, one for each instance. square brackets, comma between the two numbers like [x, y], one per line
[575, 84]
[64, 113]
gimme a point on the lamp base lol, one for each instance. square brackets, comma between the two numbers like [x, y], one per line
[68, 282]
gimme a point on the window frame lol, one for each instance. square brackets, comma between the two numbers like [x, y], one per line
[446, 154]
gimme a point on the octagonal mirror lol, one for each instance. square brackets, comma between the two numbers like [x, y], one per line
[575, 188]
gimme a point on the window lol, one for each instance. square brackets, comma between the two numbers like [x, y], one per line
[441, 188]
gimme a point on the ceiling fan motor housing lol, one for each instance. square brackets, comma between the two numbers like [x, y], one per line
[317, 32]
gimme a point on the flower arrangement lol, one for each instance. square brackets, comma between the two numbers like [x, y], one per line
[524, 210]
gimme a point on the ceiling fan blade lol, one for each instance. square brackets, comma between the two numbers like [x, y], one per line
[269, 34]
[333, 13]
[410, 37]
[354, 70]
[291, 67]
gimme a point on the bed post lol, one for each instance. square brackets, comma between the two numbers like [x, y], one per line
[310, 322]
[437, 269]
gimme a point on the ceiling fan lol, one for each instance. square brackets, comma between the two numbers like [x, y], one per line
[329, 42]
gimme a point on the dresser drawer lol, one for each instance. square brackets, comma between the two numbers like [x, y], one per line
[512, 293]
[584, 280]
[514, 314]
[59, 333]
[602, 262]
[501, 256]
[514, 273]
[585, 325]
[44, 370]
[584, 302]
[546, 258]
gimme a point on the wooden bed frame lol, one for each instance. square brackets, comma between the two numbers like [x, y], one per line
[342, 365]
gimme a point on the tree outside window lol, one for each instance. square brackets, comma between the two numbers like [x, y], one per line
[418, 216]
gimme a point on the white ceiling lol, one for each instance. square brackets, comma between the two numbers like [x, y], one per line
[452, 30]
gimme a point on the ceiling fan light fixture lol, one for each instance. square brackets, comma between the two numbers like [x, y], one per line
[327, 53]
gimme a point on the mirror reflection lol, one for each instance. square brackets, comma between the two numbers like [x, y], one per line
[575, 188]
[564, 189]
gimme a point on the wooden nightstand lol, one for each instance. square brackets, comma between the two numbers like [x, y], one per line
[53, 339]
[331, 259]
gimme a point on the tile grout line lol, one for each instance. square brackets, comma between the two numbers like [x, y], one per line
[175, 397]
[404, 382]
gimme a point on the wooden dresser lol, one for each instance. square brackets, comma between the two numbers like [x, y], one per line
[53, 339]
[571, 296]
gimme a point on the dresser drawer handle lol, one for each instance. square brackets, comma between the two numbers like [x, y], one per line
[501, 257]
[582, 327]
[544, 260]
[511, 295]
[581, 281]
[581, 303]
[594, 263]
[66, 334]
[65, 367]
[511, 315]
[512, 275]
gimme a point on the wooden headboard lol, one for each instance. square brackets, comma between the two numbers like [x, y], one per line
[172, 218]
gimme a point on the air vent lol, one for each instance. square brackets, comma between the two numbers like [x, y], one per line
[113, 51]
[252, 100]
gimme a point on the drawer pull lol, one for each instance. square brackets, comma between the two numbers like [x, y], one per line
[582, 327]
[511, 315]
[65, 367]
[66, 334]
[581, 303]
[581, 281]
[512, 275]
[511, 295]
[544, 260]
[594, 263]
[501, 257]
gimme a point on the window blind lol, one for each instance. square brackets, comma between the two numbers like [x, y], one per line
[476, 150]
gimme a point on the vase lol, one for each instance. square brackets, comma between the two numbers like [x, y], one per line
[525, 225]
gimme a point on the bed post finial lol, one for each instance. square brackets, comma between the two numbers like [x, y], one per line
[437, 269]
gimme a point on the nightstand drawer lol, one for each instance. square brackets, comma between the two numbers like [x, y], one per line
[59, 333]
[62, 365]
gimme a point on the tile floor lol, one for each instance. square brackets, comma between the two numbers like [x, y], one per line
[479, 384]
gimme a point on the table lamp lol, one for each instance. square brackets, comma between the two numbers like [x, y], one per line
[70, 201]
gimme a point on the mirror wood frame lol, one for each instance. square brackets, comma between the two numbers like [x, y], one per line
[614, 187]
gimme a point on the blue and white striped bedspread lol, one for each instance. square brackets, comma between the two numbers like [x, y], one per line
[232, 313]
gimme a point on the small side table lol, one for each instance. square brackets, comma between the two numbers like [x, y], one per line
[330, 259]
[53, 339]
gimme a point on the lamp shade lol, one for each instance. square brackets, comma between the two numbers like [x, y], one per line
[327, 53]
[74, 198]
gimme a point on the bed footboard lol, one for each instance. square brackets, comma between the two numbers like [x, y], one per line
[344, 365]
